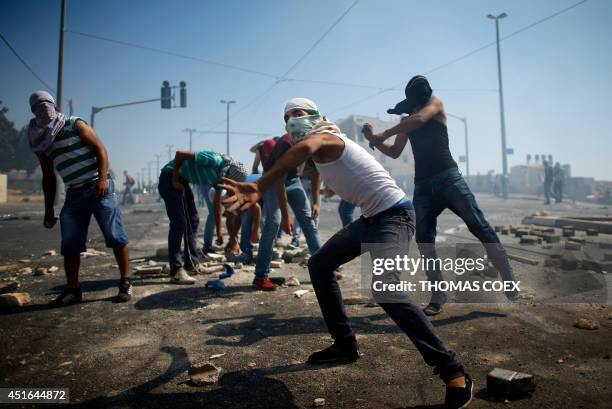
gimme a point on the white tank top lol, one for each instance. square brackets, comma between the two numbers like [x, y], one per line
[358, 178]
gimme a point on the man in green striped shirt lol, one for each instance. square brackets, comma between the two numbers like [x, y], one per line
[199, 168]
[71, 147]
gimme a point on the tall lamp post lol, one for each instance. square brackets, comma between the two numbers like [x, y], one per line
[467, 151]
[227, 103]
[501, 106]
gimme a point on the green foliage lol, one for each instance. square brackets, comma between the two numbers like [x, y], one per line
[15, 151]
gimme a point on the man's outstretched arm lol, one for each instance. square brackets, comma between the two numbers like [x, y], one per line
[49, 186]
[247, 194]
[415, 121]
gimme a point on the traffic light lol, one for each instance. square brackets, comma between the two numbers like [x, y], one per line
[183, 95]
[166, 95]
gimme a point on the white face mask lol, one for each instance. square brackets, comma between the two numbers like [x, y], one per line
[298, 127]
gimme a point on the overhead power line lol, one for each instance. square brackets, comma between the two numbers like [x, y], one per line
[25, 64]
[469, 54]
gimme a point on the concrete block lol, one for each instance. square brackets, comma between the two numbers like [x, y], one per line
[528, 239]
[551, 238]
[568, 231]
[13, 300]
[3, 188]
[503, 383]
[571, 245]
[521, 232]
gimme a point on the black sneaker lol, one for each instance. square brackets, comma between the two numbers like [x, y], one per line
[432, 309]
[459, 398]
[335, 354]
[68, 297]
[125, 290]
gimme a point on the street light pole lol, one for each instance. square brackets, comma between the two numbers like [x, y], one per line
[60, 63]
[170, 151]
[501, 106]
[227, 103]
[467, 150]
[191, 131]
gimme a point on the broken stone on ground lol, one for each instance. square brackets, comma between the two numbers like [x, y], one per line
[204, 374]
[504, 383]
[586, 323]
[14, 300]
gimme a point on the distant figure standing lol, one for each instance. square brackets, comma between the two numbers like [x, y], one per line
[548, 180]
[558, 179]
[128, 198]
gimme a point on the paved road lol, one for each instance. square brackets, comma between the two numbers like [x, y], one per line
[137, 354]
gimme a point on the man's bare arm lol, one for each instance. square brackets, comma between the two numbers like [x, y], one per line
[416, 120]
[394, 150]
[88, 135]
[290, 160]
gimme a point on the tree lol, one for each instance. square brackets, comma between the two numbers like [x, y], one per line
[15, 151]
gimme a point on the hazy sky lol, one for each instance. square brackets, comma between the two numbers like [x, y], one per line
[557, 75]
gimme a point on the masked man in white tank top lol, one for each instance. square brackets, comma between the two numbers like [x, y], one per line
[387, 219]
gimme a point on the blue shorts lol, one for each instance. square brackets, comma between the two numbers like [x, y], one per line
[80, 204]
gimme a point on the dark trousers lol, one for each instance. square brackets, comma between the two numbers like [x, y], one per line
[394, 229]
[184, 220]
[448, 190]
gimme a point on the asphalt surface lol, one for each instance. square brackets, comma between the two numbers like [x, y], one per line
[137, 354]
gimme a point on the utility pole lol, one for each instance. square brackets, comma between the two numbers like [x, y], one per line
[227, 103]
[191, 131]
[142, 173]
[501, 107]
[157, 157]
[170, 151]
[60, 63]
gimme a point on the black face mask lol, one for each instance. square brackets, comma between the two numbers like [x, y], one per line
[418, 91]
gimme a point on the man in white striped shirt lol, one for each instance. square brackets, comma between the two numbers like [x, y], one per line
[71, 147]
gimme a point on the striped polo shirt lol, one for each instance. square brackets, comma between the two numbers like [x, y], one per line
[205, 170]
[74, 160]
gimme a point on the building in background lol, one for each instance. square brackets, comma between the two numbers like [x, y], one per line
[402, 168]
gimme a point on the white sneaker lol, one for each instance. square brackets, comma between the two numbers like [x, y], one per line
[181, 277]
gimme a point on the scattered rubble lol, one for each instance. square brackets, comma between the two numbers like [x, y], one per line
[504, 383]
[586, 323]
[25, 270]
[204, 374]
[12, 300]
[41, 271]
[93, 253]
[276, 264]
[8, 267]
[150, 269]
[299, 293]
[318, 402]
[49, 253]
[8, 286]
[356, 299]
[215, 356]
[292, 282]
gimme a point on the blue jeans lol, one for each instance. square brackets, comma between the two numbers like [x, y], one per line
[80, 204]
[301, 209]
[209, 227]
[297, 230]
[346, 211]
[184, 220]
[448, 190]
[393, 228]
[246, 226]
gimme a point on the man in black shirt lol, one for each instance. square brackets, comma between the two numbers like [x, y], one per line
[438, 183]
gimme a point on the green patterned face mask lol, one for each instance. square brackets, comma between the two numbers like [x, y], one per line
[298, 127]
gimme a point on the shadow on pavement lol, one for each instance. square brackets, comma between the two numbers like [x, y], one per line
[240, 389]
[187, 298]
[254, 328]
